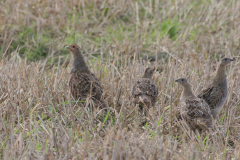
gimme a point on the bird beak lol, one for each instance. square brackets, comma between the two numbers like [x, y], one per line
[176, 80]
[232, 59]
[67, 47]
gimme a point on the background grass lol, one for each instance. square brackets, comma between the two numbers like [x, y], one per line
[38, 118]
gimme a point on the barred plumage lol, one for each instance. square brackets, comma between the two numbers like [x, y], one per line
[194, 111]
[145, 90]
[216, 93]
[82, 83]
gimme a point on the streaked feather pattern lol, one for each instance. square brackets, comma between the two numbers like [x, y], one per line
[216, 93]
[196, 113]
[212, 95]
[147, 89]
[83, 84]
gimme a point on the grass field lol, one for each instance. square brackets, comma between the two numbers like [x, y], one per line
[40, 120]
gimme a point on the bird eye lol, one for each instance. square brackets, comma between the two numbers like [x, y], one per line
[73, 46]
[182, 79]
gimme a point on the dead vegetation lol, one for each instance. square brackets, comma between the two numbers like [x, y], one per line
[39, 120]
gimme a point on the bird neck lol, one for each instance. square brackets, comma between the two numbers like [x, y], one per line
[147, 76]
[187, 92]
[220, 76]
[78, 63]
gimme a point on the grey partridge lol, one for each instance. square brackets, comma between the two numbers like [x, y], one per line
[82, 82]
[215, 94]
[145, 90]
[194, 111]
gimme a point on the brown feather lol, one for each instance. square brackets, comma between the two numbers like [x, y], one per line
[82, 83]
[145, 90]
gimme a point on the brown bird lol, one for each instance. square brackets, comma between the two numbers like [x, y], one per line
[145, 90]
[216, 93]
[82, 82]
[194, 111]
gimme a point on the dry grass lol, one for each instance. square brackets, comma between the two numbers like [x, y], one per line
[39, 120]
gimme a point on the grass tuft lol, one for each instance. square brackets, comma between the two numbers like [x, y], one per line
[40, 120]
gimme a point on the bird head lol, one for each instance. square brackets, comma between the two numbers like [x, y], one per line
[149, 72]
[182, 81]
[73, 48]
[226, 61]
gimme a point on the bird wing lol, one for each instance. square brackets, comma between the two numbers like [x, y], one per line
[144, 86]
[212, 95]
[136, 88]
[153, 89]
[196, 113]
[81, 85]
[195, 108]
